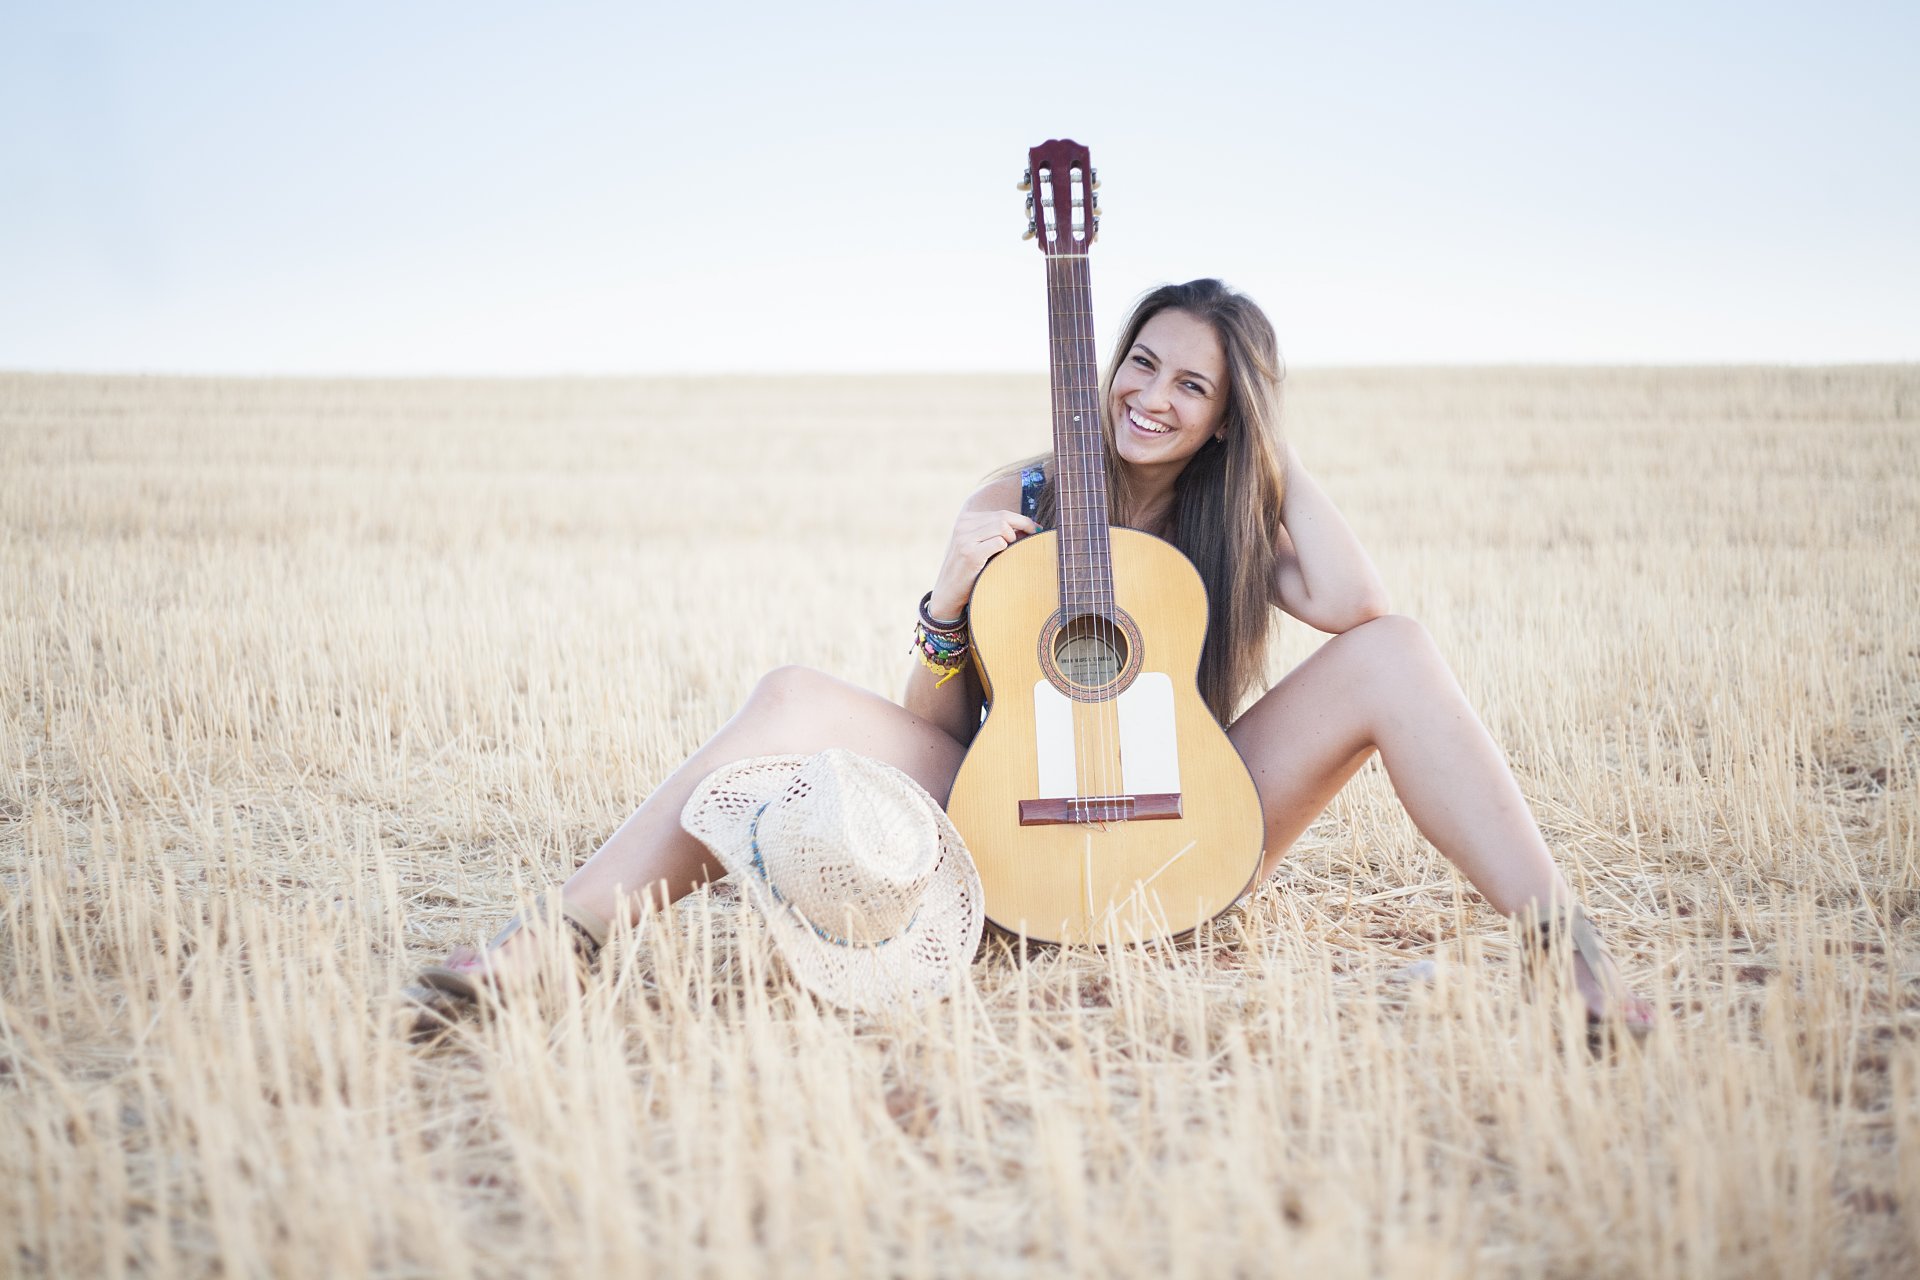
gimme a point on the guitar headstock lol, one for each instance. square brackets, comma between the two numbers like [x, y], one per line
[1063, 213]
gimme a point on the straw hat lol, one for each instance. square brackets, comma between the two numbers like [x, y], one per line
[865, 884]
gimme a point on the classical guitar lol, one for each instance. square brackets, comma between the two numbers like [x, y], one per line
[1101, 801]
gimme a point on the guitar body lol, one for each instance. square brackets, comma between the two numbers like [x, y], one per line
[1078, 879]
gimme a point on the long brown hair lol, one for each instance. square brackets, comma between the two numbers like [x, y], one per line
[1226, 503]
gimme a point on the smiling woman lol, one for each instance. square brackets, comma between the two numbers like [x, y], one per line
[1191, 450]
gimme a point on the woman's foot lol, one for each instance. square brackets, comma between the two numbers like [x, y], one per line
[510, 962]
[470, 979]
[1633, 1011]
[1602, 989]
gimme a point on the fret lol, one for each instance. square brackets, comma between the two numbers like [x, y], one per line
[1085, 560]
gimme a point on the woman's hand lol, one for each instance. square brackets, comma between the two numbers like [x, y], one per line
[977, 537]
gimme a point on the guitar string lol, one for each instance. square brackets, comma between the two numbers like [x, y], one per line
[1059, 351]
[1077, 532]
[1099, 521]
[1104, 583]
[1121, 638]
[1089, 738]
[1117, 634]
[1066, 458]
[1089, 774]
[1097, 580]
[1057, 384]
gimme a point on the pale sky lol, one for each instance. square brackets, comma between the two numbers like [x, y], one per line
[476, 188]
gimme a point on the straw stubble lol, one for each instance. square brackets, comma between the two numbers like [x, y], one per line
[306, 681]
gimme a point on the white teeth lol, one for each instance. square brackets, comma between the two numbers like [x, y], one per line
[1145, 425]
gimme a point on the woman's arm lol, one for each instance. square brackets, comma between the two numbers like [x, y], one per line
[953, 706]
[989, 521]
[1324, 576]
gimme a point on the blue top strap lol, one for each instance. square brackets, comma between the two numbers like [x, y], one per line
[1031, 478]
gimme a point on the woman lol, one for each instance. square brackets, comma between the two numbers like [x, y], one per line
[1193, 455]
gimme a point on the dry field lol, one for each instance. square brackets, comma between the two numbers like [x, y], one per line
[303, 682]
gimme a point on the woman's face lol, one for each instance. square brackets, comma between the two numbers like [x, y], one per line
[1170, 392]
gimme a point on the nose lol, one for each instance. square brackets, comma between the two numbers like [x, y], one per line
[1157, 395]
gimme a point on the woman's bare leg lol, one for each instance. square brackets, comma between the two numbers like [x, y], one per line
[792, 711]
[1384, 686]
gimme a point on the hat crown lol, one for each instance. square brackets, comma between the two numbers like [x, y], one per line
[867, 890]
[849, 848]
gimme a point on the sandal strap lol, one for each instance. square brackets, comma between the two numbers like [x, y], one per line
[1578, 929]
[586, 932]
[1587, 943]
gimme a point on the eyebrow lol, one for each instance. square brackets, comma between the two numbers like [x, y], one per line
[1185, 373]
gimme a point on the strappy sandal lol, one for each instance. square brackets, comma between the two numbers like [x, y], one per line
[441, 994]
[1573, 925]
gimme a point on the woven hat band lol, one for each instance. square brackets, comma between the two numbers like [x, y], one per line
[758, 864]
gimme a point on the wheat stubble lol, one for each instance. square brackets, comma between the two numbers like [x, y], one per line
[303, 682]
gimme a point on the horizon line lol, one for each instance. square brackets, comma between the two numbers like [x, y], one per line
[718, 375]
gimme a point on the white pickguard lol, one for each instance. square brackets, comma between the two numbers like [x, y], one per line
[1143, 717]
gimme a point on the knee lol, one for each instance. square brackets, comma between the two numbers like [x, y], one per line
[784, 685]
[1392, 641]
[1391, 632]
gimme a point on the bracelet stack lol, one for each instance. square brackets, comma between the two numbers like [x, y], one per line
[942, 646]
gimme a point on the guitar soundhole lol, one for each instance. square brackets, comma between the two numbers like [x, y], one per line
[1090, 657]
[1090, 652]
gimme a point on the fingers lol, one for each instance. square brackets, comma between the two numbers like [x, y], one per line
[978, 536]
[987, 547]
[1014, 526]
[1010, 526]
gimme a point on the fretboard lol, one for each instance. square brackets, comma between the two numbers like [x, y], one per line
[1080, 480]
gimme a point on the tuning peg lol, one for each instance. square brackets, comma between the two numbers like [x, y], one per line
[1032, 230]
[1094, 234]
[1094, 204]
[1026, 180]
[1029, 204]
[1093, 179]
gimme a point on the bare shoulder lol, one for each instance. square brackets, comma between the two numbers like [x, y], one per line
[1001, 493]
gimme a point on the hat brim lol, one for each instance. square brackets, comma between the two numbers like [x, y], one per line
[911, 968]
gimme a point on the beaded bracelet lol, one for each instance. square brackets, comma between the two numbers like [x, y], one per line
[931, 623]
[941, 646]
[941, 654]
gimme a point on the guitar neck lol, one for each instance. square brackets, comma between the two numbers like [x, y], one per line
[1080, 480]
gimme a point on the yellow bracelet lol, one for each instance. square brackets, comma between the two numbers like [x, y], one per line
[946, 673]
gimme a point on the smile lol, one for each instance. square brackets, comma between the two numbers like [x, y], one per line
[1147, 425]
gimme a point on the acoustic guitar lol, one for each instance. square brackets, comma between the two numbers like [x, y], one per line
[1100, 799]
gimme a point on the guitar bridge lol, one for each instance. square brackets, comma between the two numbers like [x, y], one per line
[1094, 809]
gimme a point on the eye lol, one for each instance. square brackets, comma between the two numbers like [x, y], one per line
[1143, 362]
[1195, 387]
